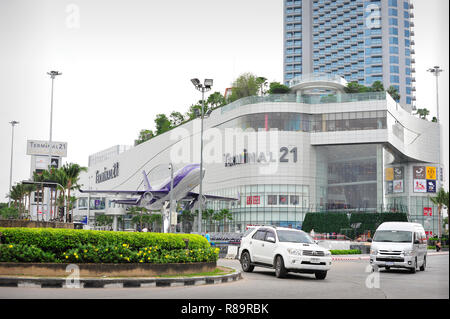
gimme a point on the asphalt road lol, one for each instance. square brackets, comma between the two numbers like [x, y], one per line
[346, 280]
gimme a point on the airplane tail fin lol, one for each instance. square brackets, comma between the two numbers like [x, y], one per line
[147, 183]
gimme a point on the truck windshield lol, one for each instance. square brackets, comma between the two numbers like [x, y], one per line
[395, 236]
[294, 236]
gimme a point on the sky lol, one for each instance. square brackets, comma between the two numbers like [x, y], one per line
[123, 62]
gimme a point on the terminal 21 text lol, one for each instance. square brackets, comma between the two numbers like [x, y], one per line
[285, 155]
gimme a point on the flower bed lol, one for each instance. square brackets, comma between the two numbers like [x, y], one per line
[85, 246]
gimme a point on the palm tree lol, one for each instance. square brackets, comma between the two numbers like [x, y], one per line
[377, 86]
[423, 113]
[441, 200]
[393, 92]
[29, 189]
[223, 215]
[72, 171]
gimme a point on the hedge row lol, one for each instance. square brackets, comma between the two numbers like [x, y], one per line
[345, 251]
[106, 254]
[331, 222]
[58, 241]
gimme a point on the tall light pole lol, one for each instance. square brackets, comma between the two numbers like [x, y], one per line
[52, 74]
[13, 123]
[206, 86]
[436, 70]
[171, 197]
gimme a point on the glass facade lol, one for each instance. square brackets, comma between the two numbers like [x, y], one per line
[349, 176]
[346, 37]
[302, 122]
[279, 205]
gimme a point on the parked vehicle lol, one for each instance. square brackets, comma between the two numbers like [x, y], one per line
[399, 245]
[285, 249]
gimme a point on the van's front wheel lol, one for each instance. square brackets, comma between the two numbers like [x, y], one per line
[413, 270]
[422, 268]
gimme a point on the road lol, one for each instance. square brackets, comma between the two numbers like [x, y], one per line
[346, 280]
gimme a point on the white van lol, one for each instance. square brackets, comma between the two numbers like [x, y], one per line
[399, 245]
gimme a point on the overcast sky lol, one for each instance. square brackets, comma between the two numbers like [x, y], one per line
[123, 62]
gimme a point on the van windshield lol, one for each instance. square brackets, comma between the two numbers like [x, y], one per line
[294, 236]
[395, 236]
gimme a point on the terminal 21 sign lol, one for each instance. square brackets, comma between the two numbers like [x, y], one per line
[285, 155]
[107, 174]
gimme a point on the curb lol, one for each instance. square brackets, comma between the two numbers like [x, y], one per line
[368, 257]
[33, 282]
[350, 258]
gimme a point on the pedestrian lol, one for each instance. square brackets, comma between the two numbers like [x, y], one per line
[208, 238]
[438, 245]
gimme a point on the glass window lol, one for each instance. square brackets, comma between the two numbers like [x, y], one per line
[393, 40]
[283, 199]
[394, 69]
[392, 236]
[393, 12]
[393, 31]
[259, 235]
[272, 200]
[393, 59]
[393, 21]
[294, 236]
[393, 50]
[395, 79]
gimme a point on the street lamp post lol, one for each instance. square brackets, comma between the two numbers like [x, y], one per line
[436, 70]
[171, 197]
[206, 86]
[52, 74]
[13, 123]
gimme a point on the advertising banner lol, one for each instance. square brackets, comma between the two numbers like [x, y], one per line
[398, 173]
[431, 172]
[420, 186]
[427, 211]
[398, 186]
[431, 186]
[389, 172]
[419, 172]
[389, 187]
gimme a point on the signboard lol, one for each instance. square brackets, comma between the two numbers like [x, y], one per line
[389, 173]
[431, 172]
[398, 173]
[35, 147]
[419, 172]
[427, 211]
[253, 200]
[398, 186]
[431, 186]
[420, 186]
[389, 187]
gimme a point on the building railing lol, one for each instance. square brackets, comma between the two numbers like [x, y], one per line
[306, 99]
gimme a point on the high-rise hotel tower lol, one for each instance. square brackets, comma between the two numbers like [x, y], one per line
[360, 40]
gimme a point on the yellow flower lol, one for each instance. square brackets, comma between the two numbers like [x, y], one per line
[124, 245]
[85, 251]
[141, 261]
[67, 257]
[10, 246]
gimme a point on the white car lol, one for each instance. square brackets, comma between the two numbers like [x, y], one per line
[285, 249]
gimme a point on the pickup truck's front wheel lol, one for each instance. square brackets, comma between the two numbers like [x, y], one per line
[320, 274]
[280, 270]
[246, 262]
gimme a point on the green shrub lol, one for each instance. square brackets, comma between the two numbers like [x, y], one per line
[345, 251]
[58, 241]
[326, 222]
[24, 253]
[85, 246]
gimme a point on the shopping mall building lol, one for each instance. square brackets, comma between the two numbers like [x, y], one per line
[314, 149]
